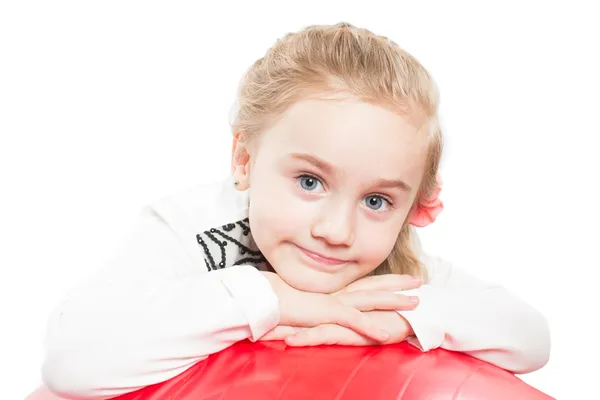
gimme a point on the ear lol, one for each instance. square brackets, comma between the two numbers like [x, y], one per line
[240, 162]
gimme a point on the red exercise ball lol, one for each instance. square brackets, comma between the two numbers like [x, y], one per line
[271, 370]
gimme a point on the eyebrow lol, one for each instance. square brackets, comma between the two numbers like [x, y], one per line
[317, 162]
[330, 169]
[400, 184]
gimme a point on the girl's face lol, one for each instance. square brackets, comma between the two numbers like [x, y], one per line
[331, 184]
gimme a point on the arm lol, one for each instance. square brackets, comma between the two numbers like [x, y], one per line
[456, 312]
[149, 315]
[461, 313]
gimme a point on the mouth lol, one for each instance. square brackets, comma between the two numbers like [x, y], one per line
[321, 260]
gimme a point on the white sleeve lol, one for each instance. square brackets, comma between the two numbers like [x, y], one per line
[149, 315]
[462, 313]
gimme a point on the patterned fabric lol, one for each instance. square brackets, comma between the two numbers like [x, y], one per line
[229, 245]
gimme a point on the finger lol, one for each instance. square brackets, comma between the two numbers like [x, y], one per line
[318, 335]
[370, 300]
[328, 334]
[280, 332]
[385, 282]
[315, 336]
[353, 319]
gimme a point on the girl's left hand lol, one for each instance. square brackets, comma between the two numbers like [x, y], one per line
[330, 334]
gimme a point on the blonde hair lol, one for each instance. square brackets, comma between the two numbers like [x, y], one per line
[339, 59]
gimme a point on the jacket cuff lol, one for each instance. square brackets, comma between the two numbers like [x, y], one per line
[425, 320]
[255, 296]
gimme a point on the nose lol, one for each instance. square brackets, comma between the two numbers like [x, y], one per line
[335, 223]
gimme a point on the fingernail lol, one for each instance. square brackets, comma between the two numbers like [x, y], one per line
[416, 279]
[413, 299]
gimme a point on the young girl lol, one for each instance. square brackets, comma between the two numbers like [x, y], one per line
[335, 159]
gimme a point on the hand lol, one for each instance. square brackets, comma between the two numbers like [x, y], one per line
[366, 294]
[303, 309]
[392, 282]
[383, 287]
[331, 334]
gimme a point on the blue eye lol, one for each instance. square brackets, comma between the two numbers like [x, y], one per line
[309, 183]
[376, 203]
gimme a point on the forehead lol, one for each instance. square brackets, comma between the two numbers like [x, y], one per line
[361, 140]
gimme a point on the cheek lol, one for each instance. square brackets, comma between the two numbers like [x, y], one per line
[276, 214]
[375, 243]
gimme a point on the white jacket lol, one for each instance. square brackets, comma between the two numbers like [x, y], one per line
[186, 284]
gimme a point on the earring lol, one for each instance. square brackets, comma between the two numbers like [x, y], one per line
[236, 183]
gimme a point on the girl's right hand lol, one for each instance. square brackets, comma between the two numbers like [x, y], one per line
[304, 309]
[388, 282]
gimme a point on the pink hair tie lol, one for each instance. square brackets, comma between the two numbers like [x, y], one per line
[428, 209]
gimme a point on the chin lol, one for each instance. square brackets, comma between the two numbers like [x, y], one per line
[312, 281]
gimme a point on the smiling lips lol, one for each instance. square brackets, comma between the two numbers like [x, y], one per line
[323, 260]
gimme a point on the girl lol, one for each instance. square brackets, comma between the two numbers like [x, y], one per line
[335, 158]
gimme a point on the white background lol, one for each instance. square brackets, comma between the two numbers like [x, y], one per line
[106, 106]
